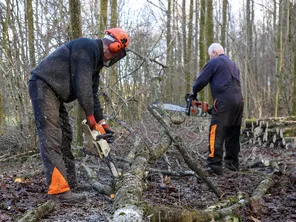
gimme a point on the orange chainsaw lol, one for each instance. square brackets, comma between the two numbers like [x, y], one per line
[192, 108]
[94, 143]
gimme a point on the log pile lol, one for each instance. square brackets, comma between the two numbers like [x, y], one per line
[274, 132]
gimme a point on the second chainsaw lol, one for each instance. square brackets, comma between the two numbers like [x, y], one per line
[193, 107]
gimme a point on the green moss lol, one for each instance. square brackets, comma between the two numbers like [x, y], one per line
[290, 133]
[121, 214]
[232, 218]
[2, 206]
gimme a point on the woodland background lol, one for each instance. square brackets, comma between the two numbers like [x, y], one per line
[169, 41]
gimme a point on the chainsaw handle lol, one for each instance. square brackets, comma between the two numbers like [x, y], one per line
[190, 102]
[104, 136]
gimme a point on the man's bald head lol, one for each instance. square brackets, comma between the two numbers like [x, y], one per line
[215, 50]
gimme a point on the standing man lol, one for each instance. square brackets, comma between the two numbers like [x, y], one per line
[70, 72]
[224, 78]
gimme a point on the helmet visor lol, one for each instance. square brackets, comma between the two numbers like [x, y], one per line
[111, 62]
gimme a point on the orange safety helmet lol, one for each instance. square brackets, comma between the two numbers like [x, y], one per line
[121, 37]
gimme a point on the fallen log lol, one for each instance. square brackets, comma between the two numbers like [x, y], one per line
[36, 214]
[256, 201]
[128, 204]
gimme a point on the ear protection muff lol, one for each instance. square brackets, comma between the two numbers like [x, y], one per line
[115, 47]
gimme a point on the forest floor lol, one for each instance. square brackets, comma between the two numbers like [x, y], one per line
[23, 186]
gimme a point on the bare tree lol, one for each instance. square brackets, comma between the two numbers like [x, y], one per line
[31, 33]
[209, 38]
[279, 58]
[202, 46]
[224, 22]
[76, 32]
[103, 16]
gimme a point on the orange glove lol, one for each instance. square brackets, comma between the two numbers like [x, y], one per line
[91, 121]
[94, 125]
[100, 128]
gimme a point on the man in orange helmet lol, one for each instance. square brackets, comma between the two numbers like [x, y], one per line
[70, 72]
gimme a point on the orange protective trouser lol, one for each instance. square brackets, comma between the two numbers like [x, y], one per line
[55, 136]
[225, 130]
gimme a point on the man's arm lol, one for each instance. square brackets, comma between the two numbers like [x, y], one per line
[98, 111]
[82, 66]
[203, 78]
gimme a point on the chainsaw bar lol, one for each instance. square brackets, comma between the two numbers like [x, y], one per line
[194, 111]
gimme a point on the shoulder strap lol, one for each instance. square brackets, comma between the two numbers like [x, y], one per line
[228, 67]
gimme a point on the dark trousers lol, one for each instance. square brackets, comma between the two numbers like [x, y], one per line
[225, 130]
[55, 136]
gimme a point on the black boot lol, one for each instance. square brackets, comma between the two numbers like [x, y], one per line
[68, 197]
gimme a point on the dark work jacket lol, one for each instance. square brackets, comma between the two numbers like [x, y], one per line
[217, 74]
[72, 71]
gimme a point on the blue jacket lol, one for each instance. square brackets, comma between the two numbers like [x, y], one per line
[217, 73]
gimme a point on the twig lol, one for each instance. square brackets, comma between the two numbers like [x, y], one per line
[18, 155]
[150, 59]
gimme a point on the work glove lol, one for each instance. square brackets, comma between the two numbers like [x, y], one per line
[210, 111]
[94, 125]
[98, 127]
[107, 128]
[102, 127]
[108, 131]
[193, 97]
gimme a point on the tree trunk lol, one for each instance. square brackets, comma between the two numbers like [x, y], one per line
[294, 62]
[202, 46]
[114, 70]
[224, 23]
[76, 32]
[31, 33]
[279, 58]
[1, 113]
[114, 14]
[209, 40]
[184, 43]
[103, 17]
[5, 29]
[169, 49]
[189, 48]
